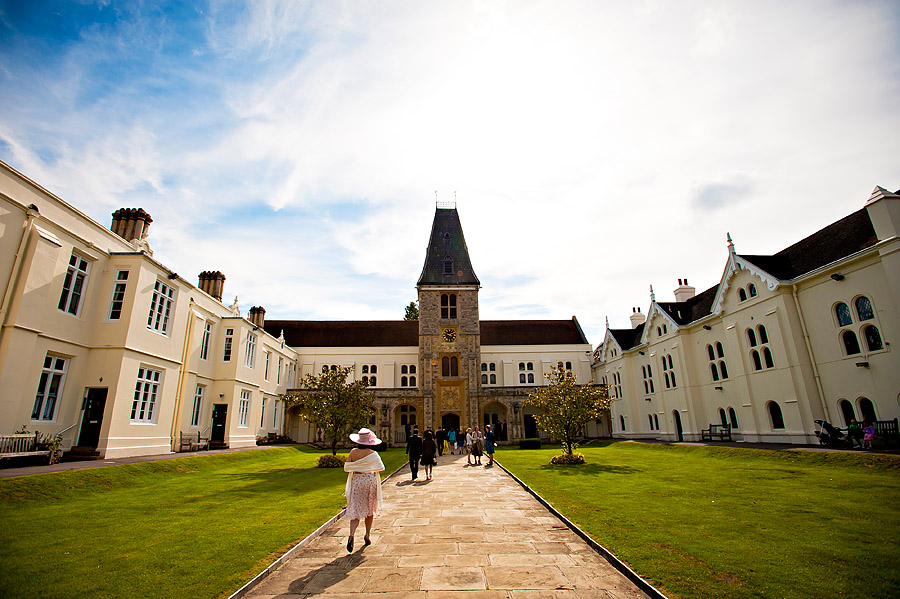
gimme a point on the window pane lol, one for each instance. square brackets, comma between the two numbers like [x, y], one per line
[775, 414]
[757, 362]
[712, 355]
[767, 356]
[714, 372]
[720, 350]
[864, 308]
[751, 337]
[873, 338]
[851, 345]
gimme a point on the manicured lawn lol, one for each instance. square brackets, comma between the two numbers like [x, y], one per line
[718, 522]
[191, 527]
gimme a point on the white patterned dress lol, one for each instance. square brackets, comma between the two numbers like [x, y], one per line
[363, 499]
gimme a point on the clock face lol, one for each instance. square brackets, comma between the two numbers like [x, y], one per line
[449, 335]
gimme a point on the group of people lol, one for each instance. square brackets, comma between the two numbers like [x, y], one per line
[861, 434]
[363, 488]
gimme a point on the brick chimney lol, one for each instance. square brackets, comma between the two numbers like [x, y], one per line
[258, 316]
[684, 291]
[212, 282]
[637, 318]
[131, 223]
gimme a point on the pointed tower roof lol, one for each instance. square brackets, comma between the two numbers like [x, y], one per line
[447, 259]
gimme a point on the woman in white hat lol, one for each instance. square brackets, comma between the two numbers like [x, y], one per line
[363, 489]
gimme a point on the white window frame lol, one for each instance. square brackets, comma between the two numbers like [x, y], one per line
[161, 307]
[198, 405]
[244, 409]
[250, 349]
[275, 416]
[146, 393]
[117, 301]
[204, 342]
[278, 374]
[262, 414]
[71, 298]
[228, 345]
[49, 390]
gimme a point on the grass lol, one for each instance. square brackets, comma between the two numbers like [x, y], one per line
[188, 527]
[737, 523]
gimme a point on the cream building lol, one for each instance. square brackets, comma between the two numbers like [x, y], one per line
[779, 342]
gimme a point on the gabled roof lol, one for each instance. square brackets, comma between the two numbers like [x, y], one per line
[532, 332]
[693, 309]
[346, 333]
[447, 243]
[628, 338]
[838, 240]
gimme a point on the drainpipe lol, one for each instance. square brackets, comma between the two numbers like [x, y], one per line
[16, 280]
[183, 374]
[812, 357]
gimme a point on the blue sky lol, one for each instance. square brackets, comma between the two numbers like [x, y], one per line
[595, 148]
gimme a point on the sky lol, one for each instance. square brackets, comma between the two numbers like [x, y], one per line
[594, 148]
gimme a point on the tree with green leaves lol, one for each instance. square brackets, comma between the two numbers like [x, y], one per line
[412, 311]
[567, 406]
[334, 405]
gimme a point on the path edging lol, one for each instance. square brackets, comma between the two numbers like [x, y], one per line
[254, 582]
[616, 563]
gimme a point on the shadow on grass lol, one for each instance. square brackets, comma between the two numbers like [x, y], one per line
[588, 469]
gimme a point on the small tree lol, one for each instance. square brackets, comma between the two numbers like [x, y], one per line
[567, 406]
[412, 311]
[334, 405]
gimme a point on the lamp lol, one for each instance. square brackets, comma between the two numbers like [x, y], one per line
[384, 411]
[718, 387]
[516, 408]
[173, 275]
[862, 364]
[837, 276]
[707, 327]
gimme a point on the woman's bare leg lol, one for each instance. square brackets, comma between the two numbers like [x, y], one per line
[368, 528]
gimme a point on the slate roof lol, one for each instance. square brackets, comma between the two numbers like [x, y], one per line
[693, 309]
[838, 240]
[405, 333]
[628, 338]
[447, 241]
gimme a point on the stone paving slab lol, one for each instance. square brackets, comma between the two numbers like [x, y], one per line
[470, 533]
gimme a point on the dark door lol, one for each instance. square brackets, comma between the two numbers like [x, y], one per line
[678, 430]
[92, 417]
[450, 421]
[219, 416]
[531, 431]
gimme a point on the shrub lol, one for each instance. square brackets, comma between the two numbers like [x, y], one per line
[331, 461]
[529, 443]
[566, 458]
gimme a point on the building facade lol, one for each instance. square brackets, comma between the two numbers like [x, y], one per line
[779, 342]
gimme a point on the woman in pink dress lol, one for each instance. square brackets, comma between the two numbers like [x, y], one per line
[363, 488]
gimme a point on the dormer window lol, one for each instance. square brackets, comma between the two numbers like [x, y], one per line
[448, 265]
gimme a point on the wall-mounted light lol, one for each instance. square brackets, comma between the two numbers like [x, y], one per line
[707, 327]
[837, 276]
[173, 275]
[862, 364]
[516, 408]
[384, 411]
[640, 352]
[718, 387]
[647, 399]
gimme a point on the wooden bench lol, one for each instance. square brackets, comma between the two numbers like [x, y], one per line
[193, 441]
[887, 430]
[716, 432]
[21, 445]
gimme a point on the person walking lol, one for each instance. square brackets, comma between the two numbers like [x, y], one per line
[363, 489]
[489, 444]
[429, 449]
[468, 443]
[477, 444]
[451, 440]
[440, 436]
[414, 451]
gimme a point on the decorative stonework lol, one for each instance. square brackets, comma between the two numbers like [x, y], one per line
[450, 398]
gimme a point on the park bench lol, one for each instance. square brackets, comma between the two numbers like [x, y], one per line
[193, 441]
[21, 445]
[716, 432]
[887, 430]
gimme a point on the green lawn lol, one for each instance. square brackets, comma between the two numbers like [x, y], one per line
[189, 527]
[719, 522]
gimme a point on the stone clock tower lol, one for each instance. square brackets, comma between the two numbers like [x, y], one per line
[449, 334]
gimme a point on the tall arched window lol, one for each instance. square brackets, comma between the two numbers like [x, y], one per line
[751, 337]
[775, 415]
[712, 355]
[742, 295]
[722, 417]
[867, 409]
[714, 372]
[622, 422]
[873, 338]
[732, 415]
[722, 369]
[720, 351]
[763, 335]
[851, 344]
[752, 289]
[864, 308]
[847, 411]
[484, 379]
[842, 311]
[767, 358]
[757, 363]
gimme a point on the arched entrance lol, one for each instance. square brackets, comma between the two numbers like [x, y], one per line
[529, 423]
[405, 418]
[450, 420]
[678, 430]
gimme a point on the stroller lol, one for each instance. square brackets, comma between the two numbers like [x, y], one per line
[831, 436]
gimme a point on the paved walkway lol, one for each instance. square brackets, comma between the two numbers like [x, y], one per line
[469, 533]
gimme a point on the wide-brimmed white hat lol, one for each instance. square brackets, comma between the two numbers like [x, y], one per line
[365, 437]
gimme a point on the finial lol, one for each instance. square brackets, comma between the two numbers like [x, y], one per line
[652, 295]
[730, 244]
[607, 323]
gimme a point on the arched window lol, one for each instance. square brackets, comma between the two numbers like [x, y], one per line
[522, 378]
[445, 366]
[851, 344]
[373, 369]
[365, 380]
[775, 415]
[448, 265]
[404, 369]
[722, 418]
[373, 381]
[767, 357]
[864, 308]
[742, 295]
[714, 372]
[412, 369]
[622, 422]
[656, 421]
[658, 334]
[650, 418]
[365, 369]
[842, 311]
[720, 351]
[454, 366]
[484, 379]
[493, 379]
[847, 411]
[665, 331]
[752, 290]
[763, 335]
[404, 381]
[751, 337]
[712, 355]
[412, 381]
[670, 362]
[530, 378]
[867, 409]
[732, 415]
[757, 363]
[568, 366]
[521, 365]
[873, 338]
[722, 369]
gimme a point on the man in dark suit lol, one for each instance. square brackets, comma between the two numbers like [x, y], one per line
[414, 450]
[440, 437]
